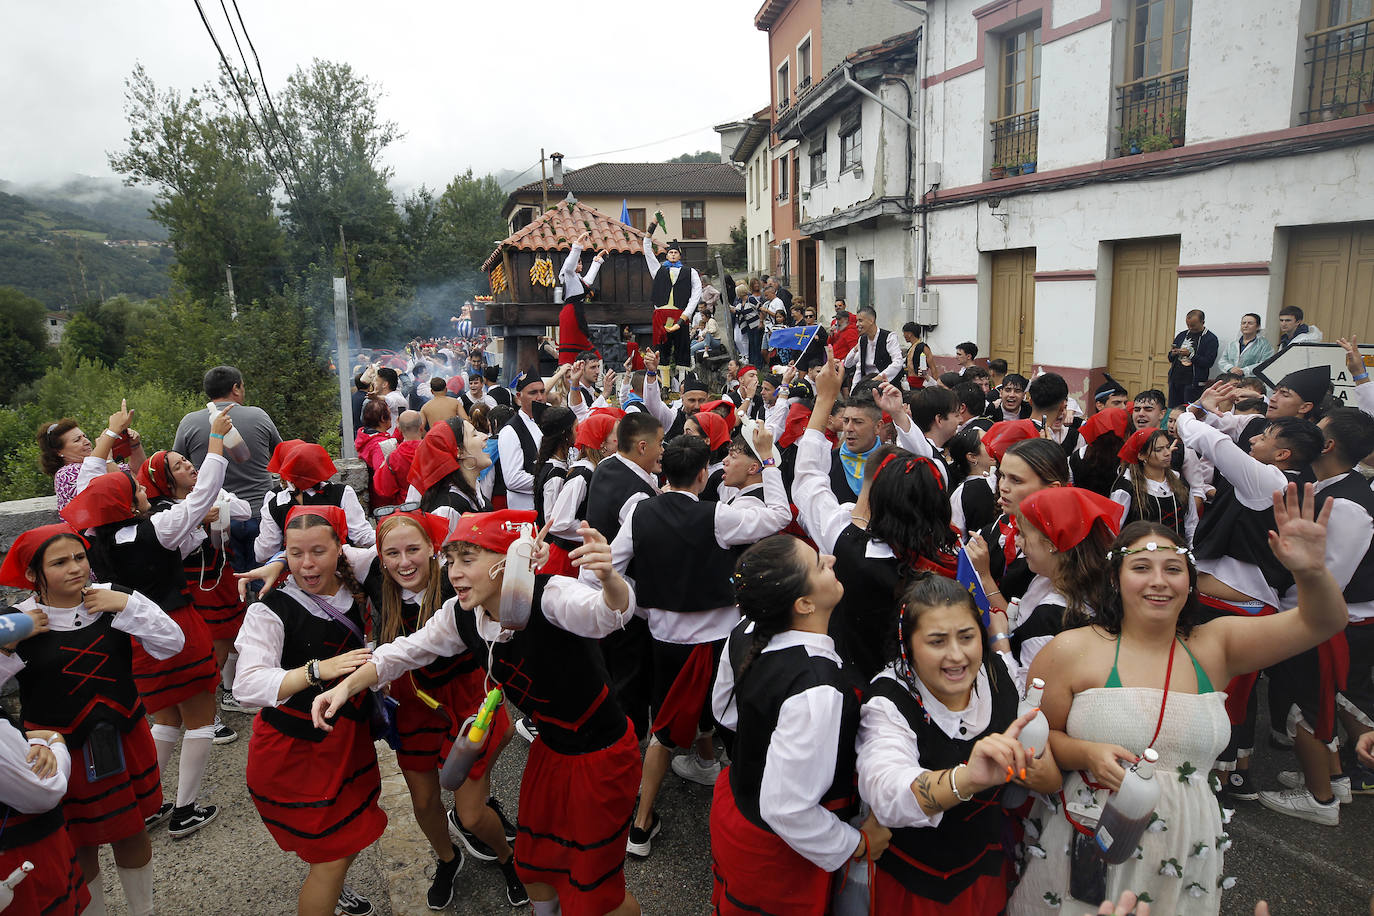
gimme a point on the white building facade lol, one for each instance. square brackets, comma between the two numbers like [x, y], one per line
[745, 143]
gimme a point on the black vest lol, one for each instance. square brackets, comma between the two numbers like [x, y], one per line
[677, 563]
[755, 491]
[307, 637]
[1253, 428]
[583, 474]
[864, 623]
[663, 285]
[438, 672]
[712, 492]
[1044, 620]
[555, 676]
[941, 863]
[881, 358]
[528, 449]
[979, 503]
[1229, 529]
[612, 484]
[142, 565]
[1356, 489]
[73, 680]
[329, 494]
[547, 471]
[772, 679]
[1171, 513]
[678, 428]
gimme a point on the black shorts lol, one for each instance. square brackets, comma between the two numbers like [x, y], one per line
[1299, 679]
[669, 660]
[1359, 689]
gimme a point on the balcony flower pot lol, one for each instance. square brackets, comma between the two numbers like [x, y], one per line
[1028, 168]
[997, 172]
[1135, 148]
[1013, 170]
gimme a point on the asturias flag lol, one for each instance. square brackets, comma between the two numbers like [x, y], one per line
[625, 211]
[968, 578]
[794, 339]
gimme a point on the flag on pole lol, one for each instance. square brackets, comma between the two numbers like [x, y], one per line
[968, 578]
[625, 211]
[805, 344]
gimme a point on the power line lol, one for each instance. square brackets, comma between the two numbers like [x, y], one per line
[611, 152]
[267, 93]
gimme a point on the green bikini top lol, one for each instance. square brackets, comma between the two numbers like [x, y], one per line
[1204, 683]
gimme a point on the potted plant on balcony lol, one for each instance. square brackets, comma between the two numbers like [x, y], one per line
[1013, 170]
[1028, 167]
[1177, 121]
[1335, 108]
[1154, 143]
[1131, 138]
[998, 170]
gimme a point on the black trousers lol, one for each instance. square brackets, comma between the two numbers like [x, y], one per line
[629, 657]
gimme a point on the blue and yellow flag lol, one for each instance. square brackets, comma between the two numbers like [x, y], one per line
[968, 578]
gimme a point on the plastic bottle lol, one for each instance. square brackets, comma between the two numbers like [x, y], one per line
[235, 449]
[471, 741]
[1128, 811]
[1013, 612]
[1035, 734]
[517, 588]
[7, 888]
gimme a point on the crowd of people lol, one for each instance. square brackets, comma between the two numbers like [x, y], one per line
[763, 588]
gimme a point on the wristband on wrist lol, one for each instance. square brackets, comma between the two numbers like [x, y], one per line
[111, 433]
[997, 637]
[312, 671]
[217, 435]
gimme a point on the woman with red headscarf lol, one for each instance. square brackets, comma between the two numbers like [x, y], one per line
[1149, 488]
[315, 791]
[716, 430]
[141, 539]
[305, 469]
[75, 674]
[443, 477]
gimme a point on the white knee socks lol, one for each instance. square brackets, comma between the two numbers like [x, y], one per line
[226, 675]
[138, 889]
[165, 738]
[97, 905]
[195, 750]
[546, 907]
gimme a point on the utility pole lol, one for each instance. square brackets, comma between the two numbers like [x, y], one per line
[233, 305]
[543, 183]
[343, 364]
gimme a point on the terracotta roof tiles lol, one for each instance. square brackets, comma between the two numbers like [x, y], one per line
[626, 179]
[560, 226]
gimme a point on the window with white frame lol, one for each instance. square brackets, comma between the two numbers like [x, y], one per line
[816, 160]
[783, 183]
[784, 87]
[851, 139]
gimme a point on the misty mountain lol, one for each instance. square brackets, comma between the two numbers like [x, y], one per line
[121, 210]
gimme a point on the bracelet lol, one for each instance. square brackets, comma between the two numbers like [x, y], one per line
[863, 835]
[217, 435]
[1361, 377]
[111, 433]
[996, 637]
[995, 591]
[955, 786]
[312, 671]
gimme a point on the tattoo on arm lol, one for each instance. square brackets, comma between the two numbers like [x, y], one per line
[925, 792]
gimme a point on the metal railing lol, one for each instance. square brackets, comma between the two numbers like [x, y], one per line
[1340, 71]
[1154, 112]
[1014, 141]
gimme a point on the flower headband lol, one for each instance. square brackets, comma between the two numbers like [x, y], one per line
[1151, 546]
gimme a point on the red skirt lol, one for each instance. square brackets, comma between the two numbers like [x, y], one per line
[988, 894]
[56, 886]
[575, 816]
[754, 870]
[663, 315]
[166, 682]
[466, 694]
[113, 808]
[318, 799]
[422, 730]
[683, 675]
[217, 601]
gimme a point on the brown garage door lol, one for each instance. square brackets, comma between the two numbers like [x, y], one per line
[1144, 305]
[1330, 277]
[1013, 309]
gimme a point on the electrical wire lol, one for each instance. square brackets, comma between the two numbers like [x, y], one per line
[267, 93]
[611, 152]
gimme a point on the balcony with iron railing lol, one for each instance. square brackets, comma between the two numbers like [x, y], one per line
[1154, 112]
[1340, 71]
[1014, 143]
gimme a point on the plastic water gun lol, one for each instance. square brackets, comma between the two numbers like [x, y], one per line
[471, 742]
[7, 888]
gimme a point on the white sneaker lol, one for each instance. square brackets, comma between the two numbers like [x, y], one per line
[229, 703]
[525, 728]
[1340, 785]
[693, 769]
[1299, 803]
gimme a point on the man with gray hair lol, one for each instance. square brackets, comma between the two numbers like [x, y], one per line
[877, 357]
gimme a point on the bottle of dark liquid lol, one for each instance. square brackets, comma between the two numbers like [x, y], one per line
[1128, 811]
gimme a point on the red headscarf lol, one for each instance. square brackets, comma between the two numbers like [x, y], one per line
[1006, 433]
[337, 518]
[1065, 515]
[156, 476]
[712, 405]
[1130, 452]
[615, 413]
[436, 526]
[28, 545]
[1109, 419]
[798, 416]
[494, 531]
[109, 498]
[592, 432]
[301, 464]
[742, 370]
[713, 427]
[435, 459]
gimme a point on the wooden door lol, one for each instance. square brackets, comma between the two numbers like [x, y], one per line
[1330, 277]
[1144, 307]
[1013, 310]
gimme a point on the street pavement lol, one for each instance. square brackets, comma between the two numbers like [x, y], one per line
[233, 867]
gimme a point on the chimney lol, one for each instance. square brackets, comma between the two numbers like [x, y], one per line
[557, 169]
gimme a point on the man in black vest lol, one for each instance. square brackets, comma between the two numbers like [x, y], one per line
[681, 552]
[518, 442]
[675, 293]
[673, 417]
[1300, 393]
[617, 484]
[877, 357]
[858, 440]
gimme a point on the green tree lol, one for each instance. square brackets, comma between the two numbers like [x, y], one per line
[736, 254]
[703, 156]
[24, 350]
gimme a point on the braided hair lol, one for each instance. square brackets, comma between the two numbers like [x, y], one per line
[769, 578]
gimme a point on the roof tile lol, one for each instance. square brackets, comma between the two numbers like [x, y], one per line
[631, 178]
[560, 226]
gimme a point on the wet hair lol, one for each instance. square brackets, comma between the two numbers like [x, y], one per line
[1048, 390]
[962, 448]
[684, 458]
[908, 508]
[1151, 396]
[376, 414]
[969, 347]
[1250, 405]
[925, 592]
[220, 381]
[1303, 438]
[974, 373]
[971, 397]
[389, 375]
[359, 384]
[40, 581]
[437, 384]
[1015, 380]
[498, 417]
[343, 569]
[913, 329]
[50, 444]
[1112, 611]
[769, 579]
[391, 591]
[867, 405]
[1353, 432]
[949, 379]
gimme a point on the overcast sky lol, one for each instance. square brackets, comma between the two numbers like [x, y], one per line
[471, 83]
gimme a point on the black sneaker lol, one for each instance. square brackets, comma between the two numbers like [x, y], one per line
[1361, 780]
[526, 728]
[445, 874]
[352, 903]
[506, 824]
[1239, 787]
[223, 733]
[475, 847]
[641, 840]
[158, 817]
[186, 821]
[516, 895]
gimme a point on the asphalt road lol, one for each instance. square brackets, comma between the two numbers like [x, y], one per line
[233, 867]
